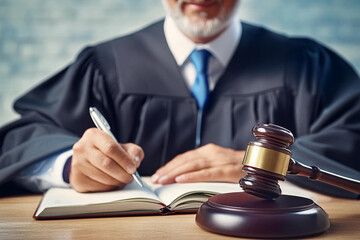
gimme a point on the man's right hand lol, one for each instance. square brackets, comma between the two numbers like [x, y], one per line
[99, 163]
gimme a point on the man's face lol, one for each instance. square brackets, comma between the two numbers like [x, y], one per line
[201, 18]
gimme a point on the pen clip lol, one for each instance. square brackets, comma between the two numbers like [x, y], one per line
[98, 119]
[103, 120]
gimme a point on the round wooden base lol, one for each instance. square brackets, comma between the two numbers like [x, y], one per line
[243, 215]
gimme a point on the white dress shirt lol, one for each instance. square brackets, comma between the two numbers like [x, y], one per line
[44, 174]
[222, 49]
[48, 173]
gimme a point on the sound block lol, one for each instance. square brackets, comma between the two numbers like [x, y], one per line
[244, 215]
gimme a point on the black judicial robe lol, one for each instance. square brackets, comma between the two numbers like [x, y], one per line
[135, 82]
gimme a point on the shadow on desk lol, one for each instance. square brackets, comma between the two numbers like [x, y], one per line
[343, 226]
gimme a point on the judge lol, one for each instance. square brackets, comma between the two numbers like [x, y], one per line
[181, 97]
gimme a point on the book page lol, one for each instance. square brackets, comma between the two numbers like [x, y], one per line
[132, 198]
[197, 192]
[67, 197]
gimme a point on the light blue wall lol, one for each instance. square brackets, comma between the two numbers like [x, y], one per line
[39, 37]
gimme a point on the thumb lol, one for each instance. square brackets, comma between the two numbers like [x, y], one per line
[135, 151]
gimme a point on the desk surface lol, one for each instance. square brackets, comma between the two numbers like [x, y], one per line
[16, 222]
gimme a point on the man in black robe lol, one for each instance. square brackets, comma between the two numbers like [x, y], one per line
[142, 83]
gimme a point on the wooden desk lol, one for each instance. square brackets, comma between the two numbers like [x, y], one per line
[16, 222]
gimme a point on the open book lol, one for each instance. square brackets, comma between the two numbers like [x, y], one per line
[131, 200]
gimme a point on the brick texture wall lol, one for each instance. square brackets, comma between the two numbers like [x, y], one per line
[39, 37]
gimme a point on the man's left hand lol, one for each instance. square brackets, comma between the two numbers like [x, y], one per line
[207, 163]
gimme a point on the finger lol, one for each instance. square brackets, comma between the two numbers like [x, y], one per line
[228, 173]
[198, 176]
[82, 183]
[112, 149]
[188, 167]
[110, 168]
[86, 167]
[175, 163]
[135, 151]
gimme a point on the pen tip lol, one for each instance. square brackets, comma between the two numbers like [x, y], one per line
[138, 179]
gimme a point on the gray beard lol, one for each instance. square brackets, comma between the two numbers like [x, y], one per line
[202, 28]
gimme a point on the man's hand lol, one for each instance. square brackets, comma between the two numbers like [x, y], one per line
[207, 163]
[99, 163]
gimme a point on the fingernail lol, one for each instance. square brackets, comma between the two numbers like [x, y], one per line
[137, 159]
[163, 179]
[154, 178]
[180, 179]
[130, 168]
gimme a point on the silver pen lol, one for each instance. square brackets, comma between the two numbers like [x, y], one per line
[102, 124]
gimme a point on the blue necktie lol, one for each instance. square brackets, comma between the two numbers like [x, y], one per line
[200, 89]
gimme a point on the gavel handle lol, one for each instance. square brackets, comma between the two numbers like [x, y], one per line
[315, 173]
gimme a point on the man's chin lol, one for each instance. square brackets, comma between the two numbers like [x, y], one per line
[198, 25]
[200, 28]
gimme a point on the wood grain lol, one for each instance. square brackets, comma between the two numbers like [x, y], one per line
[16, 222]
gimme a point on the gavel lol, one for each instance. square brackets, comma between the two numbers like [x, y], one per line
[267, 160]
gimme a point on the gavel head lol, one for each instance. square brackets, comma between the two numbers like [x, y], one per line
[266, 160]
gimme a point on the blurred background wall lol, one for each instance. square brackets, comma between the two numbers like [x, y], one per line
[40, 37]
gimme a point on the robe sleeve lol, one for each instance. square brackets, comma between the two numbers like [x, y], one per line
[54, 115]
[327, 114]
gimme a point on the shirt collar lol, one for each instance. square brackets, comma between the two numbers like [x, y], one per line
[221, 47]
